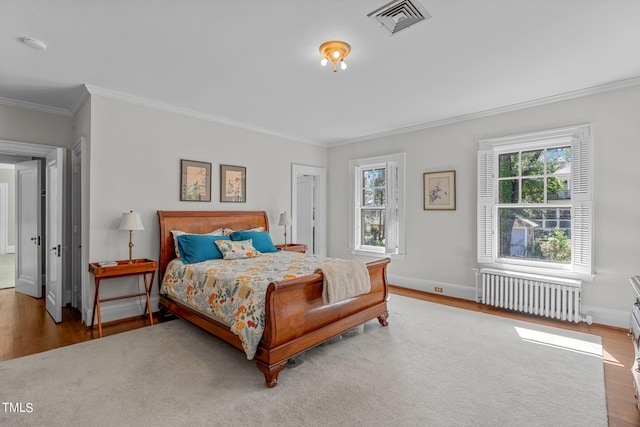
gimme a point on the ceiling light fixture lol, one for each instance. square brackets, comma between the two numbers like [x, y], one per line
[334, 51]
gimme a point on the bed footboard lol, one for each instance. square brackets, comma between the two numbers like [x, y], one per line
[296, 318]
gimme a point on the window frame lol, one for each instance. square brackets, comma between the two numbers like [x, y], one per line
[394, 165]
[581, 204]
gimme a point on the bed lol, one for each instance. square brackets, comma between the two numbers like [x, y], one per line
[295, 317]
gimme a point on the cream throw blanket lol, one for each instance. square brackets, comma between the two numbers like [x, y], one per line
[344, 280]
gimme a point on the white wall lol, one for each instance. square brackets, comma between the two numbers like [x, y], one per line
[135, 165]
[441, 245]
[22, 125]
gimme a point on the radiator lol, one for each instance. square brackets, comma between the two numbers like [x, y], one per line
[547, 296]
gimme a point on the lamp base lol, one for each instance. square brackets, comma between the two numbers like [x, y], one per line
[130, 248]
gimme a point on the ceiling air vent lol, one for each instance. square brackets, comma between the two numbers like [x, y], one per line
[399, 15]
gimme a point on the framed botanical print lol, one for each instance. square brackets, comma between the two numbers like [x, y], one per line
[195, 181]
[233, 184]
[439, 190]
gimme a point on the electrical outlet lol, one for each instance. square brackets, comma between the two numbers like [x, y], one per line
[437, 289]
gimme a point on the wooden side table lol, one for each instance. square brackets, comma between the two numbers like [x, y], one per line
[293, 247]
[138, 267]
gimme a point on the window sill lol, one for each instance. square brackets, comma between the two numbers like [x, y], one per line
[541, 271]
[371, 254]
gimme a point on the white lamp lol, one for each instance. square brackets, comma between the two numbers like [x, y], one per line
[285, 220]
[130, 221]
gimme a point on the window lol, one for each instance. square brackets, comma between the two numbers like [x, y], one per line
[377, 205]
[534, 200]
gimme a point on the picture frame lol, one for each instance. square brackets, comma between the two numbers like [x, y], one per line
[233, 184]
[439, 190]
[195, 181]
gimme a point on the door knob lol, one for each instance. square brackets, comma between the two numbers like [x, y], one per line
[56, 249]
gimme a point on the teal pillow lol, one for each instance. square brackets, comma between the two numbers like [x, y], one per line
[199, 247]
[261, 240]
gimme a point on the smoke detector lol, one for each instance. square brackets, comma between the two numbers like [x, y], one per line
[399, 15]
[34, 43]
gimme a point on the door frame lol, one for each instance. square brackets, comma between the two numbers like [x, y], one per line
[321, 202]
[27, 149]
[79, 215]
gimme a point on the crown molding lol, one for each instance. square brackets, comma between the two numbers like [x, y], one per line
[620, 84]
[107, 93]
[145, 102]
[35, 107]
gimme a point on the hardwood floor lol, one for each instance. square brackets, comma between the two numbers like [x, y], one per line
[26, 328]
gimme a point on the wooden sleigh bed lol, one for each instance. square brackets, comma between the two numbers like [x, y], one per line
[296, 319]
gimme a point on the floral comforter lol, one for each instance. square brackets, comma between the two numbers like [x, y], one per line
[234, 290]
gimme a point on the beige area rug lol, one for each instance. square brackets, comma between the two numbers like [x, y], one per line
[432, 366]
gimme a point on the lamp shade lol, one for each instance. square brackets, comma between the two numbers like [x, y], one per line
[131, 221]
[285, 219]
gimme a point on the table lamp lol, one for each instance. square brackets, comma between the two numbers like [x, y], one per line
[285, 220]
[130, 221]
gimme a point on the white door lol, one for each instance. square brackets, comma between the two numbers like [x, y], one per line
[304, 220]
[28, 229]
[55, 233]
[319, 217]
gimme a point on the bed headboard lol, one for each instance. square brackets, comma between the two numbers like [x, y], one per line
[202, 222]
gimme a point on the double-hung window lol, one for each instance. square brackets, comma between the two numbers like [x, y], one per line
[377, 205]
[535, 207]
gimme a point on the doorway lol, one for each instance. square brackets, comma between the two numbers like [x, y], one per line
[309, 207]
[13, 152]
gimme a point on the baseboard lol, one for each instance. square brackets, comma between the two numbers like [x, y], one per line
[605, 316]
[113, 311]
[448, 289]
[602, 316]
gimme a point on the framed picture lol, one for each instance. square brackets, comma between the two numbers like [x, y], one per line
[233, 184]
[195, 181]
[440, 190]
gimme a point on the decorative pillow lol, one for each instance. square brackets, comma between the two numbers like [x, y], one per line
[199, 247]
[237, 250]
[261, 240]
[176, 233]
[228, 231]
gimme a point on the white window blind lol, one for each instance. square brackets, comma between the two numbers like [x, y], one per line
[581, 204]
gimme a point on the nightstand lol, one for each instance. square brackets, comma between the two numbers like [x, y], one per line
[138, 267]
[293, 247]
